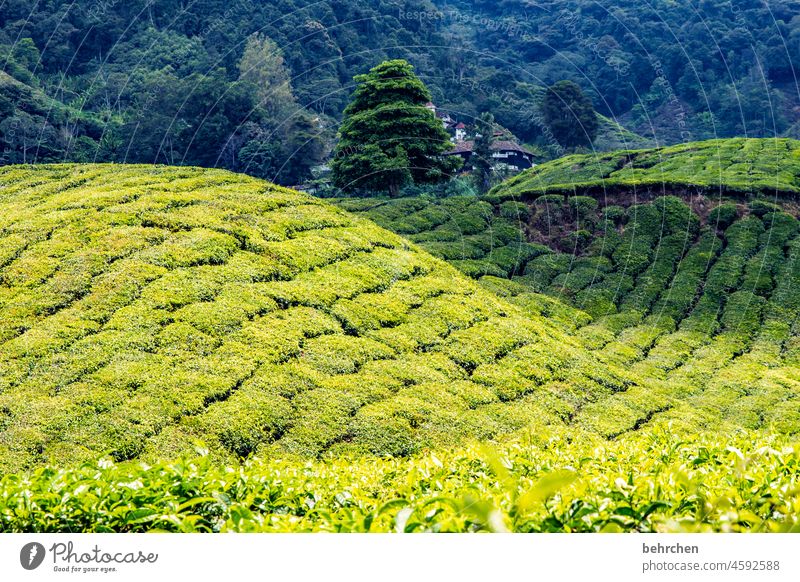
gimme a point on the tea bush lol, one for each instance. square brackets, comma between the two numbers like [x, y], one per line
[141, 315]
[740, 165]
[745, 481]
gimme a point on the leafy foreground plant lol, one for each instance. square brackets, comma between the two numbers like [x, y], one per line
[749, 481]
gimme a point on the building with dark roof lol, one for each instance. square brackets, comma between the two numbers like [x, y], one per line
[506, 155]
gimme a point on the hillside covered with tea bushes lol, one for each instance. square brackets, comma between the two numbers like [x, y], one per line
[737, 165]
[551, 362]
[696, 294]
[145, 309]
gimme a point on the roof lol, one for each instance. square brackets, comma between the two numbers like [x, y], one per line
[460, 126]
[505, 145]
[464, 147]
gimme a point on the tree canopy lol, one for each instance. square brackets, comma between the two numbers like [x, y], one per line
[570, 115]
[482, 152]
[120, 81]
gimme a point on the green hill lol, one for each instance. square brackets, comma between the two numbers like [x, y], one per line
[626, 366]
[146, 308]
[695, 294]
[736, 166]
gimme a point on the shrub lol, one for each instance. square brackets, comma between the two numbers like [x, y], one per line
[722, 216]
[582, 208]
[212, 307]
[614, 214]
[515, 211]
[761, 207]
[579, 240]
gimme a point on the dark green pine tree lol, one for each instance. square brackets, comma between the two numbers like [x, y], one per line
[570, 115]
[388, 137]
[482, 152]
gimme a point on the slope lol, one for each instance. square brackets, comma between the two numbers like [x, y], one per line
[685, 273]
[737, 165]
[144, 309]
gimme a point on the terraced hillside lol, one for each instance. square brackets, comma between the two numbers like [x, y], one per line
[738, 165]
[596, 366]
[144, 309]
[697, 294]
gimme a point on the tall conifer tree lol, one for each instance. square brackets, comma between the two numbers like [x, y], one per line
[388, 137]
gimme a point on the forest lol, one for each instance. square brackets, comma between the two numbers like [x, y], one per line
[184, 82]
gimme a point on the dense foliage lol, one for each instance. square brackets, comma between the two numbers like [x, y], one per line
[164, 82]
[694, 295]
[466, 232]
[632, 357]
[724, 166]
[145, 308]
[547, 483]
[481, 158]
[247, 86]
[672, 71]
[569, 115]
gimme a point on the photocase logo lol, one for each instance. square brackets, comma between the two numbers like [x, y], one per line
[32, 555]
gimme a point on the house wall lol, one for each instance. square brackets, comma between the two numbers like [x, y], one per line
[508, 159]
[513, 159]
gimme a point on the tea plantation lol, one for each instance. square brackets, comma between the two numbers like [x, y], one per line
[147, 309]
[695, 295]
[599, 363]
[736, 165]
